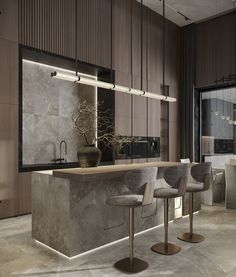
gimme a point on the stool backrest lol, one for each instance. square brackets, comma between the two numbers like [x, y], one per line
[136, 180]
[200, 171]
[172, 175]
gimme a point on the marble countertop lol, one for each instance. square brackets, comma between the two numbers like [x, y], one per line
[73, 172]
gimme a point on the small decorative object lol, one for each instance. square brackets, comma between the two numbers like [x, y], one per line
[95, 125]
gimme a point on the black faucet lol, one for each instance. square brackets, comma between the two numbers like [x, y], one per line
[63, 159]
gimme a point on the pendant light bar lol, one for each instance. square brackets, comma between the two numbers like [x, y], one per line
[91, 82]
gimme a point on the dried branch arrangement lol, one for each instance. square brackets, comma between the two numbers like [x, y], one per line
[96, 124]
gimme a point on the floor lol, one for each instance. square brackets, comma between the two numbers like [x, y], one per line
[216, 256]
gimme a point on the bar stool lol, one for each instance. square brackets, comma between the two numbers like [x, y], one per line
[141, 184]
[175, 184]
[201, 180]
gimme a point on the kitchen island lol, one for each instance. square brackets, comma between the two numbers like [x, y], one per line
[69, 211]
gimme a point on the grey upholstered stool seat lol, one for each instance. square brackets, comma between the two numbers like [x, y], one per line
[201, 180]
[175, 180]
[141, 186]
[129, 200]
[165, 193]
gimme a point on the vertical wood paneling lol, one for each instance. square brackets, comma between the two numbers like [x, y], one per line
[215, 49]
[8, 72]
[122, 35]
[139, 104]
[94, 30]
[123, 117]
[188, 48]
[8, 108]
[9, 20]
[155, 39]
[48, 25]
[8, 160]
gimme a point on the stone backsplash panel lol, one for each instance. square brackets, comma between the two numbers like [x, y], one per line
[48, 105]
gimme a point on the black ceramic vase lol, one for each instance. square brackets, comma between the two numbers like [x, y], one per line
[89, 156]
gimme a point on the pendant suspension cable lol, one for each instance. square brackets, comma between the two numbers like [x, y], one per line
[217, 42]
[216, 112]
[111, 42]
[131, 50]
[131, 81]
[141, 50]
[76, 42]
[231, 109]
[164, 45]
[147, 85]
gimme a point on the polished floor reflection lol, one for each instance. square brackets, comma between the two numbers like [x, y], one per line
[216, 256]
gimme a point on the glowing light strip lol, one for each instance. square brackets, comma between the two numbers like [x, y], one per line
[100, 247]
[91, 82]
[57, 68]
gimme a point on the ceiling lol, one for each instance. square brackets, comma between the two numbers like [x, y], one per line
[195, 10]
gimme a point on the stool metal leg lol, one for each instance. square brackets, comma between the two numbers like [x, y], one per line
[191, 237]
[166, 222]
[166, 248]
[131, 264]
[191, 214]
[131, 235]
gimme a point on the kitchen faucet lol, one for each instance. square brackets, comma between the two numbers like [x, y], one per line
[65, 156]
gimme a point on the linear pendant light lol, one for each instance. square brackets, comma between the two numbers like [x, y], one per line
[95, 83]
[77, 78]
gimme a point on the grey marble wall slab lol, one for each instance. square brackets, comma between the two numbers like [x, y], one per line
[46, 138]
[48, 106]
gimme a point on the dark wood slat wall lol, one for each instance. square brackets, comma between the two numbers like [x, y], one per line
[215, 49]
[94, 32]
[121, 36]
[139, 104]
[173, 79]
[48, 25]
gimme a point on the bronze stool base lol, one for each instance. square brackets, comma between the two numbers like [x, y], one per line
[192, 238]
[161, 248]
[126, 266]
